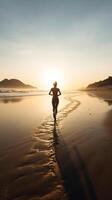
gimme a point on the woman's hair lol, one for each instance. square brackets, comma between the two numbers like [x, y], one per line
[55, 83]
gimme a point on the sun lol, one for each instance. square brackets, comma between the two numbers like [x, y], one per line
[51, 75]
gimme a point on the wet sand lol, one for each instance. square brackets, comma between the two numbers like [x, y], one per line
[27, 158]
[86, 137]
[67, 160]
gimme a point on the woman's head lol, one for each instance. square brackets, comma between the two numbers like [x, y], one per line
[55, 84]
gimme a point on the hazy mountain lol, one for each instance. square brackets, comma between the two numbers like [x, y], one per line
[14, 83]
[107, 83]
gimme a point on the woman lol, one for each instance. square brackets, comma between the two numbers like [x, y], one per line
[55, 92]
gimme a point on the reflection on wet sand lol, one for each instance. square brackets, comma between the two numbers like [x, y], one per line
[55, 134]
[10, 100]
[108, 122]
[76, 180]
[105, 95]
[108, 101]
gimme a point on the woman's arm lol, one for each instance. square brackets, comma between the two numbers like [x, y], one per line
[50, 92]
[59, 92]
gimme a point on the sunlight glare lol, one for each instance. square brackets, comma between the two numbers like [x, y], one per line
[52, 75]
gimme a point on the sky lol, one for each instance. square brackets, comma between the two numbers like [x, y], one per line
[67, 40]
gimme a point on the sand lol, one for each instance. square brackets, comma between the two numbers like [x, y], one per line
[70, 159]
[87, 139]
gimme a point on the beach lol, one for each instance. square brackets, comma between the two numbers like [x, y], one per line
[69, 159]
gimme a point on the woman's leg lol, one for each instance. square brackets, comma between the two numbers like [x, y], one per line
[57, 102]
[53, 104]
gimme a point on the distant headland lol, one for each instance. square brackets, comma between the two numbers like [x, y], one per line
[104, 84]
[14, 83]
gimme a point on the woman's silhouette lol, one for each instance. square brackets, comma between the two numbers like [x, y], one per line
[55, 92]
